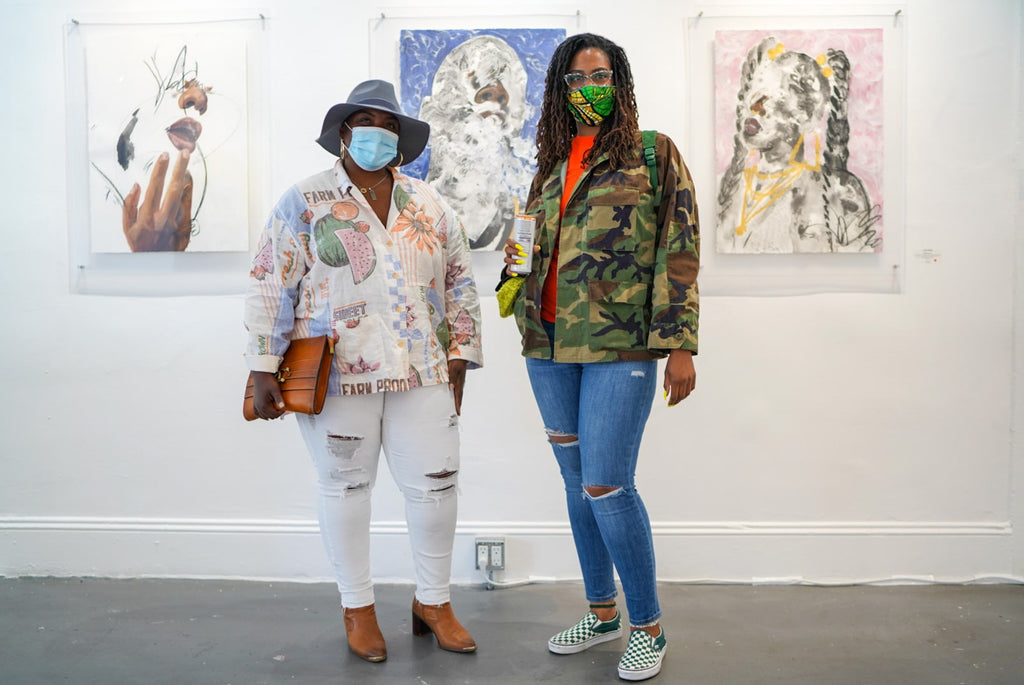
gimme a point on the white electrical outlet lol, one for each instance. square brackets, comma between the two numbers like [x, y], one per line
[483, 555]
[490, 554]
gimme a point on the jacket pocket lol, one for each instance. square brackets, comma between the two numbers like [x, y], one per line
[611, 219]
[365, 345]
[617, 317]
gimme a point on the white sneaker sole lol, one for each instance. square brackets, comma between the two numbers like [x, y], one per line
[556, 648]
[647, 672]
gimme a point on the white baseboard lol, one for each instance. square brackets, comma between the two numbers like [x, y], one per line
[820, 552]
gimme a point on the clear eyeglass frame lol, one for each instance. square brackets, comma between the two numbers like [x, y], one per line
[601, 77]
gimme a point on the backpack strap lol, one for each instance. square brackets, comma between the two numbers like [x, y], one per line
[648, 138]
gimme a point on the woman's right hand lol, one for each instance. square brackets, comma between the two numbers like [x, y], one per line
[514, 255]
[266, 395]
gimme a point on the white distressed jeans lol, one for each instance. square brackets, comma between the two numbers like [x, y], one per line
[419, 434]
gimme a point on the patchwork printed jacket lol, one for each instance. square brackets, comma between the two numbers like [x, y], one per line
[401, 299]
[627, 270]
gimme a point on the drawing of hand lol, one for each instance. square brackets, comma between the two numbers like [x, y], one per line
[163, 222]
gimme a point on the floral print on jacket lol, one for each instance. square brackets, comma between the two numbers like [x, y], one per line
[399, 299]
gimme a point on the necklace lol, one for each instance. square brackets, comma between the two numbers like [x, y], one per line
[761, 190]
[373, 195]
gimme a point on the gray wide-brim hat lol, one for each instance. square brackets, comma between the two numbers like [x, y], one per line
[379, 95]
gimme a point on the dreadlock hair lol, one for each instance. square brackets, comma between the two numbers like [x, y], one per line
[837, 135]
[556, 127]
[731, 178]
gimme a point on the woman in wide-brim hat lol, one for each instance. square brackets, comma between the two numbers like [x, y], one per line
[381, 263]
[372, 105]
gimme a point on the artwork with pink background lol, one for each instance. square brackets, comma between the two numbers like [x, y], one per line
[863, 49]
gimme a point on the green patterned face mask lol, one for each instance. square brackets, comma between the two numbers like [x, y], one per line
[591, 104]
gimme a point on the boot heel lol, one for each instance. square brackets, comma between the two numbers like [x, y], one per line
[440, 620]
[419, 626]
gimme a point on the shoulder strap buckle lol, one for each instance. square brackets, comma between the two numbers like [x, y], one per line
[648, 139]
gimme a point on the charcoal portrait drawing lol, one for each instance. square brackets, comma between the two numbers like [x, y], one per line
[797, 180]
[479, 90]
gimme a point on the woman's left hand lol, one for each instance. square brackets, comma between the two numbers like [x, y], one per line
[456, 381]
[680, 376]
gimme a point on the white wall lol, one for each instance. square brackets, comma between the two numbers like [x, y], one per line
[832, 438]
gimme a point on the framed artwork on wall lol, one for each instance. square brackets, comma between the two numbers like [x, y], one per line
[799, 122]
[481, 91]
[479, 82]
[162, 118]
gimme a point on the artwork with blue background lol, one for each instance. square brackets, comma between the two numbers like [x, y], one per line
[481, 91]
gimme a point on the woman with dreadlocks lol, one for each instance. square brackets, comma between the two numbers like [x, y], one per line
[612, 289]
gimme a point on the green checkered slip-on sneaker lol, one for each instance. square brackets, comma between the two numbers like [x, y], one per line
[588, 632]
[643, 656]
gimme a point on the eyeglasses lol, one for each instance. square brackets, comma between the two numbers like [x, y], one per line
[601, 77]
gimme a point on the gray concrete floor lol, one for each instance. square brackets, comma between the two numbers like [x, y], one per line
[180, 632]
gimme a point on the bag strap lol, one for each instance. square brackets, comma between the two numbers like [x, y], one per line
[648, 138]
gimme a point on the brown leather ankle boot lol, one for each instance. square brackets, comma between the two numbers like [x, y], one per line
[363, 633]
[440, 620]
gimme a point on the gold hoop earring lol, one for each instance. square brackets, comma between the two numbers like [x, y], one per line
[401, 159]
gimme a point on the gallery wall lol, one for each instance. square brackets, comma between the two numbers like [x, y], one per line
[833, 436]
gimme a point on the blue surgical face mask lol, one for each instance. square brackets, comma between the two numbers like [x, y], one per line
[371, 147]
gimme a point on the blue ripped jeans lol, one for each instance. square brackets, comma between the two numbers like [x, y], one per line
[606, 405]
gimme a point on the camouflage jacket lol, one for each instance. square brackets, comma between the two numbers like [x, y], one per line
[627, 269]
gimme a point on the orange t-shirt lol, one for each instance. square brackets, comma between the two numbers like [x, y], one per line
[574, 168]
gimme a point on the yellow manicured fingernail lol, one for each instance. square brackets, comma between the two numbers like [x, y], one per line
[520, 261]
[519, 247]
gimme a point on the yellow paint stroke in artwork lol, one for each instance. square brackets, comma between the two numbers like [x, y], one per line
[756, 202]
[826, 70]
